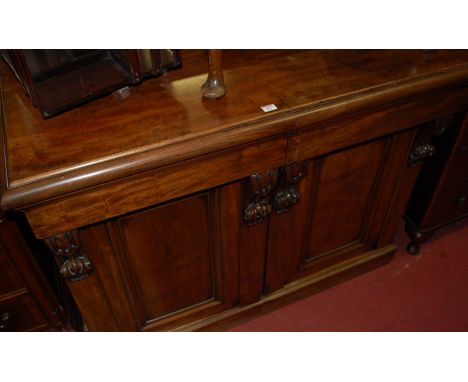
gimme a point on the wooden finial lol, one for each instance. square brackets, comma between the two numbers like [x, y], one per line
[214, 84]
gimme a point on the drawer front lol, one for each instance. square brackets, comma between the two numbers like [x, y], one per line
[20, 314]
[9, 279]
[155, 187]
[449, 204]
[314, 140]
[462, 147]
[456, 174]
[175, 258]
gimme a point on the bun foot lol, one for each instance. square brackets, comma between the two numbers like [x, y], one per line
[416, 238]
[412, 248]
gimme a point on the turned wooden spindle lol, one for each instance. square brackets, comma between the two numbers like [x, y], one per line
[214, 84]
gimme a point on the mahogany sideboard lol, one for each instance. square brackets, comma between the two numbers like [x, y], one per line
[167, 211]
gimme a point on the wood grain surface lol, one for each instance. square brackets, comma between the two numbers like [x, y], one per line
[166, 119]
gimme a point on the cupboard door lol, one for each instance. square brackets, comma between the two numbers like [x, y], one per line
[345, 201]
[342, 200]
[179, 260]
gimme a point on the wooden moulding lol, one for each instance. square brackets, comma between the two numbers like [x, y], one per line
[53, 185]
[62, 214]
[343, 132]
[159, 157]
[153, 187]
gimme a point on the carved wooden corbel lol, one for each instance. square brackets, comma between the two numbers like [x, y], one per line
[287, 194]
[74, 265]
[422, 147]
[259, 205]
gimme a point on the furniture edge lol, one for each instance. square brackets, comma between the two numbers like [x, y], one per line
[189, 147]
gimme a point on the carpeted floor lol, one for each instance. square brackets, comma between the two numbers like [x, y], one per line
[427, 292]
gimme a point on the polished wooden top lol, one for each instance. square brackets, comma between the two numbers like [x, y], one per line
[166, 120]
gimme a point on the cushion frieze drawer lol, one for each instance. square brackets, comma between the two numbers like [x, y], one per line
[144, 190]
[315, 140]
[457, 172]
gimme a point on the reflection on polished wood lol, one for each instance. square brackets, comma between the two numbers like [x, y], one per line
[167, 116]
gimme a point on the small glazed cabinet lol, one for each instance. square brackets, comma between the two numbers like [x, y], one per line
[231, 211]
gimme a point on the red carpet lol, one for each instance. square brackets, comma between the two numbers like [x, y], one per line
[427, 292]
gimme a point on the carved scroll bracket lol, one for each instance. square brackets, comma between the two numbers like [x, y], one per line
[287, 194]
[420, 153]
[74, 265]
[258, 205]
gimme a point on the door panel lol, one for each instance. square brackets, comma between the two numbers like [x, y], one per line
[179, 260]
[178, 255]
[343, 198]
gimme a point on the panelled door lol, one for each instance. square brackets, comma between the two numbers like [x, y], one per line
[170, 264]
[341, 202]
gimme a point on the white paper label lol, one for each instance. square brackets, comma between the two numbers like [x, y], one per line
[270, 107]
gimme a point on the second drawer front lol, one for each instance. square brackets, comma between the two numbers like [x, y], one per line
[457, 172]
[451, 203]
[158, 186]
[20, 314]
